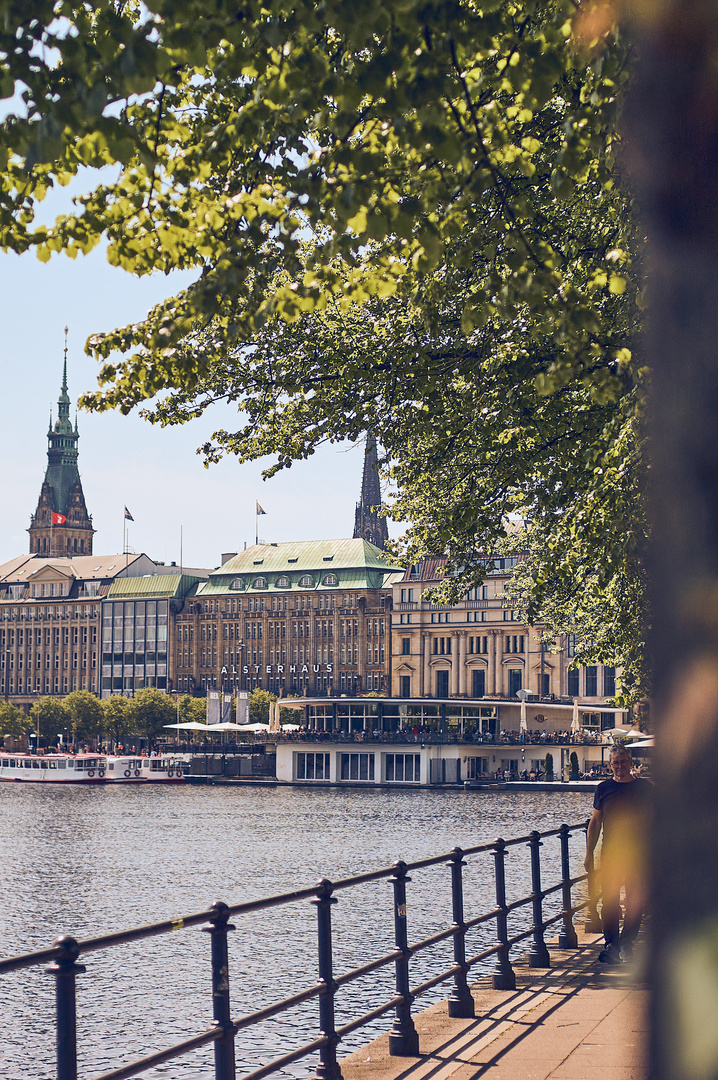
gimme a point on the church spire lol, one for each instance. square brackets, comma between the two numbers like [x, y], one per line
[64, 366]
[368, 525]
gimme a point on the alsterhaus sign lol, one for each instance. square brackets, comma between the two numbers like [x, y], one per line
[279, 669]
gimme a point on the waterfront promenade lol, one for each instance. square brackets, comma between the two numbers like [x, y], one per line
[577, 1020]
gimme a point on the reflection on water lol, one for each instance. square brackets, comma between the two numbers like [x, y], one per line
[85, 861]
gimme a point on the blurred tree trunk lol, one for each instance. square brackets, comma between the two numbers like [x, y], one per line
[672, 131]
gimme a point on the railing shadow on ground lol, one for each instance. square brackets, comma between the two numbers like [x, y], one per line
[63, 959]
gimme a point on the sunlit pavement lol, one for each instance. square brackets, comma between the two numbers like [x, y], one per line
[579, 1020]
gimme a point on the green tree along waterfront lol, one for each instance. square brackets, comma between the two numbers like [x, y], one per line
[412, 224]
[87, 718]
[85, 714]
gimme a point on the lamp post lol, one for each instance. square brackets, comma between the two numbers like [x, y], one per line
[522, 695]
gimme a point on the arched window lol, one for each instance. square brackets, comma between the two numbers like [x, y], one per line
[260, 583]
[236, 584]
[282, 582]
[330, 579]
[306, 582]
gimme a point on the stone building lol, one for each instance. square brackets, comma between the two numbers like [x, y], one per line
[479, 648]
[307, 617]
[61, 524]
[50, 621]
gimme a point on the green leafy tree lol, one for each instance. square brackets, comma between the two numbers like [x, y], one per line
[290, 716]
[259, 702]
[149, 711]
[192, 710]
[548, 766]
[116, 723]
[13, 721]
[49, 716]
[85, 714]
[434, 243]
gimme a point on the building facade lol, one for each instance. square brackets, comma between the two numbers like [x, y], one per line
[308, 617]
[50, 621]
[139, 631]
[480, 649]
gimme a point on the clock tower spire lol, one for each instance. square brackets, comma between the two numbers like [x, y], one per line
[61, 525]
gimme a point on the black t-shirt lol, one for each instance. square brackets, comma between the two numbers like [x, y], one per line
[625, 807]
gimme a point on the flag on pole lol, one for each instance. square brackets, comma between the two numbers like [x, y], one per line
[128, 515]
[259, 510]
[58, 519]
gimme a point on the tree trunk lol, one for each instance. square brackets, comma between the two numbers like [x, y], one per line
[672, 130]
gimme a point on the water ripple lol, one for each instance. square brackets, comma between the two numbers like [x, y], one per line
[86, 861]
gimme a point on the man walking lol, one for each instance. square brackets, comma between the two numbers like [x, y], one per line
[621, 807]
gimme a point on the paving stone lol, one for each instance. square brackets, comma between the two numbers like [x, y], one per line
[573, 1022]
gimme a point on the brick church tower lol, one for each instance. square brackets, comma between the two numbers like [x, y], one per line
[368, 525]
[61, 525]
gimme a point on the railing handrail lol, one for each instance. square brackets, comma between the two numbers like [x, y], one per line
[403, 1038]
[166, 926]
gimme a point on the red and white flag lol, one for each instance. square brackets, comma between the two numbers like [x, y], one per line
[58, 519]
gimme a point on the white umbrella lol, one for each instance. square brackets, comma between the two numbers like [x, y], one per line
[575, 722]
[228, 726]
[255, 727]
[290, 727]
[191, 725]
[622, 733]
[274, 716]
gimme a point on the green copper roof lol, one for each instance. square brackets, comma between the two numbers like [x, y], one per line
[356, 564]
[154, 585]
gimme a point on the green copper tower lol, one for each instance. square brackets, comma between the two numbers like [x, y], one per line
[61, 525]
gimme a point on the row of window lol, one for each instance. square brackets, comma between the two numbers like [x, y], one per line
[55, 660]
[330, 602]
[75, 635]
[397, 767]
[130, 684]
[46, 685]
[42, 589]
[406, 617]
[73, 546]
[38, 614]
[306, 581]
[591, 682]
[300, 628]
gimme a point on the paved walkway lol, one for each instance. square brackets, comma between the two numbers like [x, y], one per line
[577, 1021]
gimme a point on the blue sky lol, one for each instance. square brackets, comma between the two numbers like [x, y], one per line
[125, 460]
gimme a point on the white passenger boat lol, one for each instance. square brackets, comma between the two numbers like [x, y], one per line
[165, 768]
[126, 770]
[53, 768]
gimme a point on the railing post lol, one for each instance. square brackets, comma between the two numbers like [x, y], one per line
[328, 1069]
[65, 968]
[461, 1003]
[567, 939]
[403, 1037]
[592, 923]
[503, 977]
[224, 1066]
[538, 953]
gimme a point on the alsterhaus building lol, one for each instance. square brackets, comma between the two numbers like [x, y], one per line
[305, 617]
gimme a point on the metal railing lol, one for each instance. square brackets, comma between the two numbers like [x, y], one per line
[63, 956]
